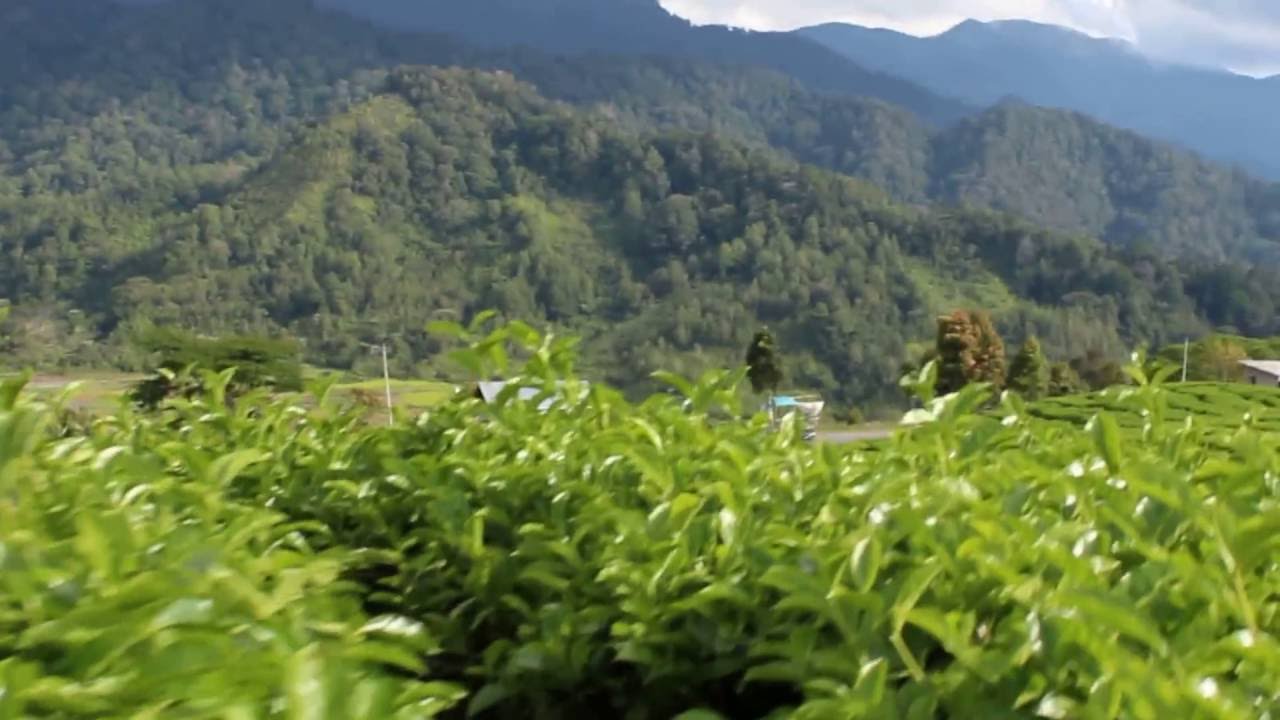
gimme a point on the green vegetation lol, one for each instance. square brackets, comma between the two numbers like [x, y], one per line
[605, 559]
[1210, 406]
[1029, 374]
[409, 395]
[181, 362]
[454, 191]
[238, 167]
[968, 350]
[764, 366]
[1217, 357]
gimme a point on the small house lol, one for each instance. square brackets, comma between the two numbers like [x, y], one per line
[1262, 372]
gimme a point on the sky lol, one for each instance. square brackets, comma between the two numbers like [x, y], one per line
[1241, 35]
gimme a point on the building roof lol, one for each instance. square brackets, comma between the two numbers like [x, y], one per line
[1270, 367]
[489, 390]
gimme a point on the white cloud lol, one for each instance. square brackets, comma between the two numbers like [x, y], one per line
[1239, 34]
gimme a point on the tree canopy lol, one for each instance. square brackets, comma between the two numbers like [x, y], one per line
[248, 168]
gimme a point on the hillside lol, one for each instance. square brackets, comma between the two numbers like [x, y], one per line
[1222, 115]
[457, 191]
[1066, 171]
[171, 103]
[1059, 169]
[643, 27]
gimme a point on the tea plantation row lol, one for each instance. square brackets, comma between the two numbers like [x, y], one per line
[1222, 406]
[255, 559]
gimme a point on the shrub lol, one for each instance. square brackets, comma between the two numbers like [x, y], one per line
[597, 558]
[1029, 375]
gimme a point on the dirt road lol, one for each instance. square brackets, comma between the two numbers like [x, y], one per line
[852, 436]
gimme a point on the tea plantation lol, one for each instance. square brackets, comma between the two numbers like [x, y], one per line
[1218, 406]
[255, 559]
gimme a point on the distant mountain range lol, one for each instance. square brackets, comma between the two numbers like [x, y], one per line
[1063, 170]
[644, 27]
[1229, 117]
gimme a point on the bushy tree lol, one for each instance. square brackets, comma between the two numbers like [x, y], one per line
[180, 357]
[991, 367]
[1217, 358]
[969, 350]
[1029, 374]
[1063, 380]
[1098, 371]
[957, 345]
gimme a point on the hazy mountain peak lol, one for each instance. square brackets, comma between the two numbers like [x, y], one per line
[1037, 36]
[1223, 115]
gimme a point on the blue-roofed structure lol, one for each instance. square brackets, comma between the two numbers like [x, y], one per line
[809, 407]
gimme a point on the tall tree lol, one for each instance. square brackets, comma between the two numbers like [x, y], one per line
[989, 360]
[1029, 373]
[957, 346]
[969, 350]
[764, 368]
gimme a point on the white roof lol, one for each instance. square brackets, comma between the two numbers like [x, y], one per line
[1270, 367]
[489, 392]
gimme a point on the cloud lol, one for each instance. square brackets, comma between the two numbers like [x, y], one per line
[1240, 34]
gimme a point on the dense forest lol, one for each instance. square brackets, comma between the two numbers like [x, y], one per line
[456, 191]
[235, 166]
[221, 82]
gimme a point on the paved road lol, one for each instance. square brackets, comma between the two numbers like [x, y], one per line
[851, 436]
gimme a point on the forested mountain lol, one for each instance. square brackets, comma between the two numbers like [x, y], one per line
[455, 191]
[1225, 116]
[1067, 171]
[225, 164]
[208, 86]
[643, 27]
[1059, 169]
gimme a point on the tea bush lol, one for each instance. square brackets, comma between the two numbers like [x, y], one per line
[1212, 405]
[595, 558]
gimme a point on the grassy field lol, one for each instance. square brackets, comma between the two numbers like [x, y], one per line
[97, 390]
[1211, 405]
[101, 391]
[406, 395]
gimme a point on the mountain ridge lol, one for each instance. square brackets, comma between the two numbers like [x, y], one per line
[645, 27]
[1224, 115]
[554, 214]
[209, 46]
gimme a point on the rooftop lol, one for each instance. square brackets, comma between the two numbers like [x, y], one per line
[1270, 367]
[490, 390]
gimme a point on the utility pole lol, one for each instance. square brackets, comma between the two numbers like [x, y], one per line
[386, 378]
[1186, 353]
